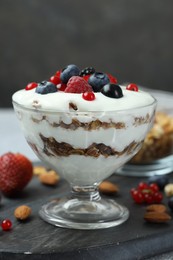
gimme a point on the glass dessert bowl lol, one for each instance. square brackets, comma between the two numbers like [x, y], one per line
[156, 155]
[85, 148]
[85, 126]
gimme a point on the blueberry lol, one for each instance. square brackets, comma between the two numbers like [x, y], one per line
[170, 203]
[46, 87]
[98, 80]
[68, 72]
[112, 91]
[161, 181]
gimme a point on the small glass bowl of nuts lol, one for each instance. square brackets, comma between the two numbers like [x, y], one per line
[156, 155]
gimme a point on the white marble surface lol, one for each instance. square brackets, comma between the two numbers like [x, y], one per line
[11, 136]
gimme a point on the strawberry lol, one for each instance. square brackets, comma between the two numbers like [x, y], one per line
[77, 84]
[15, 173]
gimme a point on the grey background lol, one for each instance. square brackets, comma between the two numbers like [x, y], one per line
[133, 40]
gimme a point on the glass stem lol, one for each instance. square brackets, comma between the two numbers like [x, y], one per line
[87, 192]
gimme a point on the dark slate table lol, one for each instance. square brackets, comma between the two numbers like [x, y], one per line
[36, 239]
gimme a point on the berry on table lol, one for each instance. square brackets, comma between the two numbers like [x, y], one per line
[112, 91]
[145, 193]
[137, 196]
[132, 87]
[86, 71]
[16, 171]
[154, 187]
[142, 186]
[89, 96]
[68, 72]
[98, 80]
[31, 85]
[6, 224]
[77, 84]
[46, 87]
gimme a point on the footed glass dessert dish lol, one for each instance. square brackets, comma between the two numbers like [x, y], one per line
[85, 148]
[85, 126]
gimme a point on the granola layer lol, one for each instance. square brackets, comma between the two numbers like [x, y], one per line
[54, 148]
[94, 124]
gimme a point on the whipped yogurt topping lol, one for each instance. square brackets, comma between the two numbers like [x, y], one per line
[59, 101]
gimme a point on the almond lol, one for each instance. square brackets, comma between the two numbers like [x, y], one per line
[157, 217]
[49, 178]
[22, 212]
[37, 170]
[156, 208]
[107, 187]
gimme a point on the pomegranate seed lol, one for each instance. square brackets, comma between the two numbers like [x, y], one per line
[132, 87]
[31, 86]
[88, 96]
[6, 224]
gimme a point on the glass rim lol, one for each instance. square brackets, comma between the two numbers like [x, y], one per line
[51, 111]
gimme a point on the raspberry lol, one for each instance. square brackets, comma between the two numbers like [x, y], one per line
[77, 84]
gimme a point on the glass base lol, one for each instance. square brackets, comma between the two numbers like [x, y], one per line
[157, 167]
[84, 214]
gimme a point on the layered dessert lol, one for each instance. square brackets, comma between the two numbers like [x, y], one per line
[83, 123]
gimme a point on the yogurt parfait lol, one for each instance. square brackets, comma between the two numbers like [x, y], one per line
[85, 125]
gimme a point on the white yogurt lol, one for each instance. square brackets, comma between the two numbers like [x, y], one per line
[59, 101]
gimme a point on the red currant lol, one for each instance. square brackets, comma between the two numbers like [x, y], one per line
[6, 224]
[157, 197]
[62, 86]
[137, 196]
[55, 80]
[31, 86]
[154, 187]
[142, 186]
[58, 73]
[86, 77]
[132, 87]
[132, 191]
[88, 96]
[112, 79]
[148, 198]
